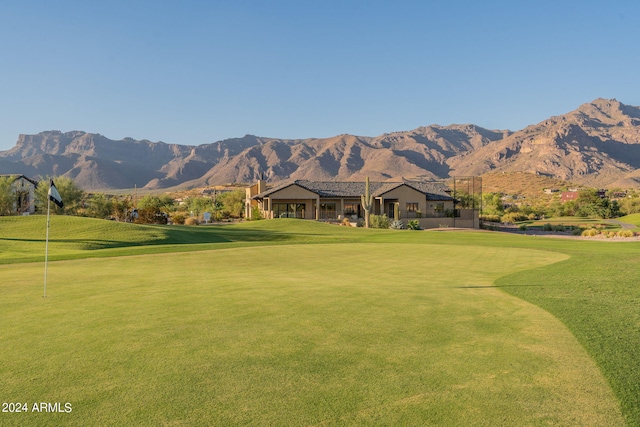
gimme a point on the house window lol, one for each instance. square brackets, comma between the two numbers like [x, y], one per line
[412, 207]
[288, 210]
[351, 208]
[327, 211]
[439, 207]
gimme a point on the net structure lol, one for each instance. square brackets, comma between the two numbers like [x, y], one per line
[467, 192]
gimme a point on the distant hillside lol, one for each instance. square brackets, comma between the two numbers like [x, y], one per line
[598, 144]
[524, 184]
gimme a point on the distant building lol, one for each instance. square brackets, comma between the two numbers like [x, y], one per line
[24, 189]
[568, 196]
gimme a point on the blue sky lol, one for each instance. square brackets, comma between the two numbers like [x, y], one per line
[194, 72]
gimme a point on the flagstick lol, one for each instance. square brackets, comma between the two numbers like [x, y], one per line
[46, 248]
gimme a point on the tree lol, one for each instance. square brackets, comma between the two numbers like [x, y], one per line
[198, 205]
[590, 204]
[164, 203]
[99, 206]
[7, 195]
[121, 209]
[492, 204]
[72, 195]
[232, 202]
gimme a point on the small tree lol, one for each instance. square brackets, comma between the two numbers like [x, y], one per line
[120, 209]
[7, 196]
[99, 206]
[72, 195]
[367, 203]
[232, 202]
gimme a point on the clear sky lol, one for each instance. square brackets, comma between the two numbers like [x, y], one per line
[194, 72]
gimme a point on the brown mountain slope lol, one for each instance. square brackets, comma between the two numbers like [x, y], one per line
[597, 144]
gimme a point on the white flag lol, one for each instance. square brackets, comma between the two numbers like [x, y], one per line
[54, 196]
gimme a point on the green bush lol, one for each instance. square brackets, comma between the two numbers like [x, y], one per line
[523, 227]
[414, 224]
[547, 227]
[255, 213]
[513, 217]
[178, 219]
[626, 233]
[490, 218]
[379, 221]
[396, 225]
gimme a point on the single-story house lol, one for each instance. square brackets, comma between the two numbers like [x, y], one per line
[24, 189]
[430, 202]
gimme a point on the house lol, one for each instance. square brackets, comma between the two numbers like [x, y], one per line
[24, 189]
[428, 202]
[568, 196]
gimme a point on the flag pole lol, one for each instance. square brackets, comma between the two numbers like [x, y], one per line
[46, 246]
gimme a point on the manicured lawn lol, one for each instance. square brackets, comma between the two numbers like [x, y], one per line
[631, 219]
[576, 222]
[291, 322]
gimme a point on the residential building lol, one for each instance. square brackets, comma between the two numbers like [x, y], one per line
[24, 189]
[431, 203]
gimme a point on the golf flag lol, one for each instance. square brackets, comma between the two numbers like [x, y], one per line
[54, 196]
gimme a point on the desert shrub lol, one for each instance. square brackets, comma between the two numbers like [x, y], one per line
[178, 219]
[490, 218]
[151, 215]
[346, 222]
[255, 213]
[547, 227]
[379, 221]
[414, 224]
[396, 224]
[360, 223]
[532, 216]
[191, 221]
[626, 233]
[523, 227]
[486, 226]
[576, 231]
[559, 228]
[590, 232]
[513, 217]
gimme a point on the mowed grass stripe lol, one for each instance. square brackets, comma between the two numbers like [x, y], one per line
[332, 334]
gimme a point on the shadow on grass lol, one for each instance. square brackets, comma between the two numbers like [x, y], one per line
[169, 236]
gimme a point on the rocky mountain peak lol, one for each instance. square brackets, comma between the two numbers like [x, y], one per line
[596, 144]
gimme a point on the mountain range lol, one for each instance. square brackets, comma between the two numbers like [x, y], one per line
[597, 145]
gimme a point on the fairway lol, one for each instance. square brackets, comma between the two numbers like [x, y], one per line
[313, 334]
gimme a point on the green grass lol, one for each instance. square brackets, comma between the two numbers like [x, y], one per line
[576, 222]
[291, 322]
[631, 219]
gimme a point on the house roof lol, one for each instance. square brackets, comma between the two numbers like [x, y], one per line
[16, 176]
[431, 189]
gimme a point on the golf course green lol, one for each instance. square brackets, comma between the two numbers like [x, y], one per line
[291, 322]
